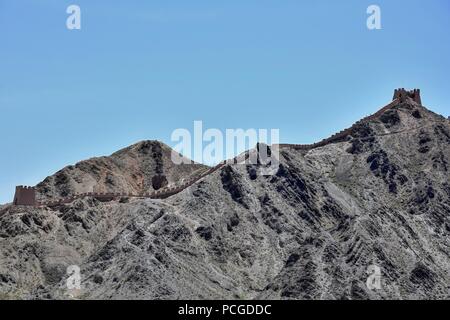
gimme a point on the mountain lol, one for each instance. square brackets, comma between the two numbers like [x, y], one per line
[143, 167]
[377, 195]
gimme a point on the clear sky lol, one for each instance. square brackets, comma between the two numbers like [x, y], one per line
[140, 69]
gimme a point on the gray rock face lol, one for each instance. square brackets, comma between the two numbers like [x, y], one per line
[382, 198]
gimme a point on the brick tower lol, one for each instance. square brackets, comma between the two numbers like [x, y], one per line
[25, 196]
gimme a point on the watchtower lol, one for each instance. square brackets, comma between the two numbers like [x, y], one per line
[401, 94]
[25, 196]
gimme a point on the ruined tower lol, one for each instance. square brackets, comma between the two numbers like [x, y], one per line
[401, 94]
[25, 196]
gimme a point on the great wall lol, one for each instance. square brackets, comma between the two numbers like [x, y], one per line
[400, 95]
[26, 196]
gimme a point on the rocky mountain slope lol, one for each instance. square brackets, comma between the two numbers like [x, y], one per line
[381, 197]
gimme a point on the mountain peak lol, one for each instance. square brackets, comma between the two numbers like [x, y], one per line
[145, 166]
[143, 146]
[404, 112]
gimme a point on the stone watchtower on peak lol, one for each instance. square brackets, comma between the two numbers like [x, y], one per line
[25, 196]
[401, 94]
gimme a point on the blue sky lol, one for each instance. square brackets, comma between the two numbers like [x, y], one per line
[140, 69]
